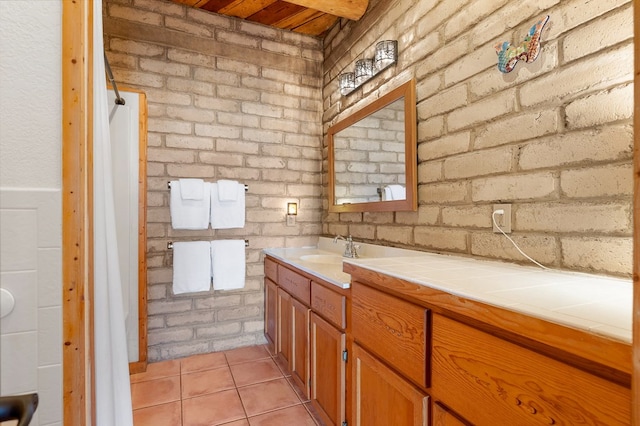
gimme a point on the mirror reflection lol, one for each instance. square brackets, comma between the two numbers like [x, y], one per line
[372, 156]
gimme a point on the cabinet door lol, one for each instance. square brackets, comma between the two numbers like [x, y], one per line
[299, 364]
[380, 397]
[327, 345]
[443, 417]
[270, 313]
[283, 343]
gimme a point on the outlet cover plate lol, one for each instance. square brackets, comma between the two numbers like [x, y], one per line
[504, 220]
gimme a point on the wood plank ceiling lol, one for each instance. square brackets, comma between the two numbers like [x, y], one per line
[312, 17]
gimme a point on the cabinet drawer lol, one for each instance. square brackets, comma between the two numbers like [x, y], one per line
[490, 381]
[297, 285]
[393, 329]
[329, 304]
[271, 269]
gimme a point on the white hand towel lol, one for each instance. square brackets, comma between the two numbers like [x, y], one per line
[228, 264]
[191, 189]
[227, 214]
[227, 190]
[398, 192]
[191, 266]
[189, 214]
[387, 195]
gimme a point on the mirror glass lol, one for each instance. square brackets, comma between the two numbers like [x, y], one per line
[372, 156]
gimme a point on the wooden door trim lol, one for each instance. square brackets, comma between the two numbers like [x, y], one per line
[77, 265]
[635, 382]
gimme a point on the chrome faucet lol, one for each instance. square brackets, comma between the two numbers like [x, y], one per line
[350, 249]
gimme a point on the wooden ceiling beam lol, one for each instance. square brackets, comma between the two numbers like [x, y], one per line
[351, 9]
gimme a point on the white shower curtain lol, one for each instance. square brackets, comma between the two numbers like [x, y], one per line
[113, 392]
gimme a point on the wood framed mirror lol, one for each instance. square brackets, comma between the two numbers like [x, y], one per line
[372, 156]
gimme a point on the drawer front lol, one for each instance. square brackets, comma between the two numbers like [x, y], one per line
[490, 381]
[297, 285]
[393, 329]
[329, 304]
[271, 269]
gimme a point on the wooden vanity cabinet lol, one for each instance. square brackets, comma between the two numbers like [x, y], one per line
[271, 304]
[284, 346]
[299, 361]
[381, 397]
[489, 381]
[444, 417]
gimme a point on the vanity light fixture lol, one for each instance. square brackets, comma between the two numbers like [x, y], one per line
[365, 69]
[292, 212]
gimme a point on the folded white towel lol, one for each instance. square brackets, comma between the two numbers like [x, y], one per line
[227, 190]
[189, 214]
[395, 192]
[191, 189]
[228, 264]
[227, 214]
[191, 266]
[386, 194]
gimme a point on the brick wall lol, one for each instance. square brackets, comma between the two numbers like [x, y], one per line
[228, 99]
[553, 138]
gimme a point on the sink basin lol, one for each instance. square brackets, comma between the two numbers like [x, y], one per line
[325, 259]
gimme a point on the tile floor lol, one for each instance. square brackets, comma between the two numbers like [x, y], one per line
[240, 387]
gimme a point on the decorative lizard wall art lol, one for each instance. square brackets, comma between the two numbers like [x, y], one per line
[527, 51]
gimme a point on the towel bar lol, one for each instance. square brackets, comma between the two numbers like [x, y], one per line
[246, 187]
[170, 244]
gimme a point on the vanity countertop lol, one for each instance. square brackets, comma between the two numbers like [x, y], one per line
[598, 304]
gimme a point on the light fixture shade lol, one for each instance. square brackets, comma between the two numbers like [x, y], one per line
[386, 53]
[346, 82]
[364, 70]
[292, 209]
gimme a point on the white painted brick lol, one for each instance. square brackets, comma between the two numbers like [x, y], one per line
[430, 128]
[575, 217]
[607, 181]
[482, 111]
[437, 15]
[217, 131]
[541, 248]
[238, 119]
[418, 49]
[571, 14]
[166, 97]
[156, 337]
[156, 66]
[467, 217]
[443, 101]
[514, 187]
[478, 163]
[517, 128]
[261, 136]
[265, 162]
[599, 34]
[279, 100]
[189, 318]
[443, 56]
[187, 27]
[216, 104]
[189, 142]
[511, 16]
[169, 126]
[165, 8]
[135, 15]
[579, 77]
[599, 254]
[227, 159]
[470, 15]
[218, 301]
[190, 171]
[211, 19]
[606, 144]
[190, 114]
[490, 81]
[137, 78]
[217, 330]
[428, 87]
[473, 63]
[238, 93]
[170, 156]
[601, 108]
[279, 124]
[262, 110]
[243, 68]
[453, 192]
[189, 86]
[215, 76]
[444, 146]
[166, 307]
[447, 239]
[191, 58]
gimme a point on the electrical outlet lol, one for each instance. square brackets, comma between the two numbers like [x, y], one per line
[503, 220]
